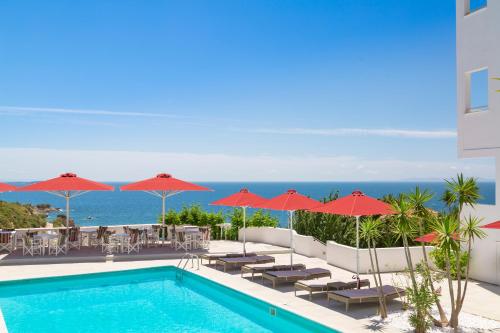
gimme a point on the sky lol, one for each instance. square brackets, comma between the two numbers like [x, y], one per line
[230, 90]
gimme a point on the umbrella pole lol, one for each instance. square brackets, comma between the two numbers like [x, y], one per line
[164, 199]
[244, 231]
[291, 240]
[67, 220]
[357, 248]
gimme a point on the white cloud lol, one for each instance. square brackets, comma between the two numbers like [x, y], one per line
[398, 133]
[32, 164]
[28, 110]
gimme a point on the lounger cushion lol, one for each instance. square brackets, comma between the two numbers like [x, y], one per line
[359, 294]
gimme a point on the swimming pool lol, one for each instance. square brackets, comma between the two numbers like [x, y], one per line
[160, 299]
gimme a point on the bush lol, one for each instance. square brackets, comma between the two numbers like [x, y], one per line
[16, 215]
[438, 257]
[194, 215]
[259, 218]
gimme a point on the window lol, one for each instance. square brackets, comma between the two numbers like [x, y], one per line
[478, 91]
[474, 5]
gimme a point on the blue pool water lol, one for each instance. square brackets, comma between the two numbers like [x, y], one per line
[143, 300]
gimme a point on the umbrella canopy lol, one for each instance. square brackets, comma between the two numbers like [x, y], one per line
[432, 238]
[356, 204]
[289, 201]
[163, 186]
[7, 187]
[244, 198]
[493, 225]
[67, 185]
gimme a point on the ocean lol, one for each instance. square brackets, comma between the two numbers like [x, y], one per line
[111, 208]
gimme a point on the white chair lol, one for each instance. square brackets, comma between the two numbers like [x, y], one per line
[74, 238]
[133, 242]
[182, 241]
[31, 246]
[58, 245]
[110, 244]
[7, 241]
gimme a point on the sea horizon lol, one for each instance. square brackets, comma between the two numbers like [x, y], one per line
[117, 207]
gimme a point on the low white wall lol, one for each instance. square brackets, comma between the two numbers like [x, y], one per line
[485, 254]
[305, 245]
[390, 259]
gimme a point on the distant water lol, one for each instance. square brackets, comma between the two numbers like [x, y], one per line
[110, 208]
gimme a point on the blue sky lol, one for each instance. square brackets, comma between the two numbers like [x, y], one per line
[229, 90]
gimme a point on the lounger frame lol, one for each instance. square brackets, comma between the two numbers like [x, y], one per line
[398, 292]
[278, 279]
[338, 285]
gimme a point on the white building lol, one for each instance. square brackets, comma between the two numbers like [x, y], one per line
[478, 113]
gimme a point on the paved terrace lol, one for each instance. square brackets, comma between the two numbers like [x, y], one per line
[482, 298]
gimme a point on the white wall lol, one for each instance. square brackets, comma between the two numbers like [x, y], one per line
[478, 46]
[485, 261]
[390, 259]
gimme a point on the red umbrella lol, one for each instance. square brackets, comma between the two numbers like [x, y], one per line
[244, 198]
[67, 185]
[356, 204]
[6, 187]
[493, 225]
[163, 186]
[289, 201]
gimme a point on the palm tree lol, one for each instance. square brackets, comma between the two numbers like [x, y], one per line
[460, 192]
[470, 231]
[370, 232]
[421, 213]
[404, 229]
[445, 228]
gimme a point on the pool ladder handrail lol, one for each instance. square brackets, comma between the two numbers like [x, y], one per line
[187, 256]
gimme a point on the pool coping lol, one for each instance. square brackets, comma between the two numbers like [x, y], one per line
[331, 318]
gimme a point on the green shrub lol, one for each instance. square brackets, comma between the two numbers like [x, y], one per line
[194, 215]
[259, 218]
[438, 257]
[16, 215]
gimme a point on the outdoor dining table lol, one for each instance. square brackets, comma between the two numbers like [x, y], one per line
[45, 238]
[121, 238]
[87, 233]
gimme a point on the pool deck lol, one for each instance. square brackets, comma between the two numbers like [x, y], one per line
[482, 299]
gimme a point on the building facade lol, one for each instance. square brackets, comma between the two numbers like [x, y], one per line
[478, 114]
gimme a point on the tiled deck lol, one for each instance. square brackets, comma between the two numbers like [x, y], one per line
[482, 299]
[91, 254]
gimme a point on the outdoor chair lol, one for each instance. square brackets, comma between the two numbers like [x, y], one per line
[31, 246]
[237, 262]
[153, 236]
[133, 242]
[326, 284]
[74, 238]
[369, 295]
[57, 246]
[7, 240]
[181, 242]
[261, 268]
[109, 244]
[294, 276]
[205, 234]
[97, 239]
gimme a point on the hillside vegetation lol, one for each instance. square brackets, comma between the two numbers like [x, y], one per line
[16, 215]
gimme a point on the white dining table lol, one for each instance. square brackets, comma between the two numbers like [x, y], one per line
[87, 233]
[45, 238]
[121, 236]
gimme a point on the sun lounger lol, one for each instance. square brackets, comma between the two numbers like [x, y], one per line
[215, 256]
[369, 295]
[241, 261]
[261, 268]
[294, 276]
[327, 284]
